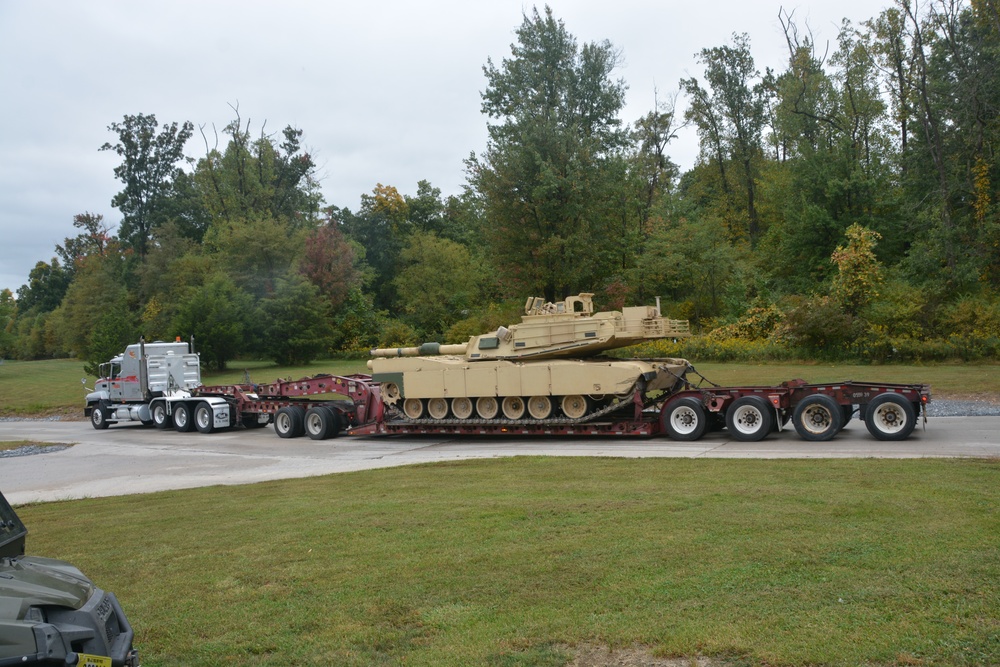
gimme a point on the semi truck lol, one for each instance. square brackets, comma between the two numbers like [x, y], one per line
[546, 375]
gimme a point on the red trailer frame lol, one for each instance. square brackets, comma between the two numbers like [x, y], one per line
[817, 411]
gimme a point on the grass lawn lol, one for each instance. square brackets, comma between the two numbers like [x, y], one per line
[515, 562]
[30, 388]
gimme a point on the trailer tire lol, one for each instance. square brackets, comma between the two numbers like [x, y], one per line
[890, 417]
[321, 423]
[99, 417]
[685, 419]
[817, 417]
[204, 417]
[749, 418]
[183, 420]
[289, 422]
[160, 417]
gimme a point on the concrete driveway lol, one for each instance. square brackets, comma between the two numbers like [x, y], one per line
[131, 459]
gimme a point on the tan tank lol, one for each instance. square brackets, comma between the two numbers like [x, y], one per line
[546, 368]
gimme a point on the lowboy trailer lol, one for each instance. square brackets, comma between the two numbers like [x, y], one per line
[159, 384]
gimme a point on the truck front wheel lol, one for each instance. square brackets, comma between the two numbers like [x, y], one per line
[99, 417]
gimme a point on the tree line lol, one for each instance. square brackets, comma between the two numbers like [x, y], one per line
[844, 206]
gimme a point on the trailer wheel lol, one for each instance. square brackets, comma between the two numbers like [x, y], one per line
[321, 423]
[749, 418]
[289, 422]
[685, 419]
[890, 417]
[160, 417]
[183, 421]
[99, 417]
[817, 417]
[204, 418]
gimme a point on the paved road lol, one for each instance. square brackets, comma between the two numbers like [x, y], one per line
[131, 459]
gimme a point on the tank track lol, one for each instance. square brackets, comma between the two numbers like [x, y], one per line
[628, 402]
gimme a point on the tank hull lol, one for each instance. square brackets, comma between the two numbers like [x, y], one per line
[574, 387]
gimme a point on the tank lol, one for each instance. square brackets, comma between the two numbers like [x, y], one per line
[547, 368]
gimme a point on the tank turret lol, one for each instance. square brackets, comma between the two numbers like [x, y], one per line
[567, 328]
[546, 368]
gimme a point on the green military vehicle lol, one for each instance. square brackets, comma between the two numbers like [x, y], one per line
[51, 614]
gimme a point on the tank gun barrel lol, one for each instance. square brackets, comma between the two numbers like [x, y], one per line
[427, 349]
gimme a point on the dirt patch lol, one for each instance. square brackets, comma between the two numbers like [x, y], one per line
[632, 656]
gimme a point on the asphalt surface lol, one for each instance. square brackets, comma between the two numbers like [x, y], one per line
[131, 459]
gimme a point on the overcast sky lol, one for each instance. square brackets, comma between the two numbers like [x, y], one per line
[385, 92]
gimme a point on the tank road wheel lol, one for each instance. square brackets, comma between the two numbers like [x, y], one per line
[204, 418]
[540, 407]
[574, 406]
[487, 407]
[437, 408]
[817, 417]
[513, 407]
[321, 423]
[685, 419]
[289, 422]
[183, 421]
[99, 417]
[160, 417]
[890, 417]
[413, 408]
[461, 407]
[749, 418]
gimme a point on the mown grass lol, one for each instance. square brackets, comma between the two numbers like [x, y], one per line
[53, 387]
[516, 561]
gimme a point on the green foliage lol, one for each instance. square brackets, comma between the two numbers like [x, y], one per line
[259, 179]
[859, 273]
[8, 313]
[437, 284]
[112, 333]
[888, 136]
[220, 316]
[147, 171]
[485, 319]
[819, 325]
[548, 177]
[294, 324]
